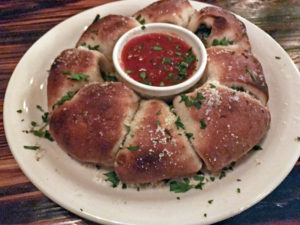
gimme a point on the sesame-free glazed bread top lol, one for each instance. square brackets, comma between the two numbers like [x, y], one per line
[71, 63]
[177, 12]
[226, 126]
[155, 149]
[104, 33]
[90, 127]
[237, 68]
[212, 23]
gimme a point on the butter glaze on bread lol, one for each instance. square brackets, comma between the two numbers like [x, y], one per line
[177, 12]
[163, 150]
[90, 127]
[105, 32]
[235, 122]
[74, 61]
[222, 24]
[234, 67]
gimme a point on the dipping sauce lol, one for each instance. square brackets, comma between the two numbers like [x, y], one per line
[158, 59]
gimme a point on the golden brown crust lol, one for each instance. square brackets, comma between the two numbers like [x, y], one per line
[74, 61]
[235, 122]
[222, 24]
[90, 127]
[236, 68]
[167, 11]
[105, 33]
[163, 151]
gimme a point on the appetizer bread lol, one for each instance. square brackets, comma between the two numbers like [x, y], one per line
[102, 122]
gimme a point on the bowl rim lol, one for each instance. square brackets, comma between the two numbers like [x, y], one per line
[176, 30]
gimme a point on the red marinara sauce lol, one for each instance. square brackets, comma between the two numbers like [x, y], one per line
[158, 59]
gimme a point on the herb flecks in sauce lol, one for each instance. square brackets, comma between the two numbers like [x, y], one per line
[166, 59]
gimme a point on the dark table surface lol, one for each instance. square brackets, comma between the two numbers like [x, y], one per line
[23, 22]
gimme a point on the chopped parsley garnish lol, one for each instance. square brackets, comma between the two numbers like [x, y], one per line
[143, 75]
[205, 215]
[203, 124]
[177, 47]
[238, 190]
[222, 174]
[192, 101]
[200, 184]
[158, 112]
[166, 60]
[250, 73]
[178, 53]
[170, 38]
[39, 108]
[140, 20]
[128, 71]
[156, 48]
[161, 84]
[257, 148]
[64, 98]
[108, 77]
[112, 177]
[124, 186]
[33, 123]
[212, 85]
[45, 117]
[83, 44]
[212, 179]
[238, 88]
[178, 123]
[94, 31]
[143, 27]
[31, 147]
[42, 134]
[133, 148]
[178, 198]
[210, 201]
[157, 122]
[180, 187]
[189, 135]
[48, 136]
[127, 128]
[277, 57]
[75, 76]
[223, 42]
[19, 111]
[96, 47]
[96, 18]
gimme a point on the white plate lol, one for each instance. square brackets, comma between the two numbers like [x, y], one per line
[81, 189]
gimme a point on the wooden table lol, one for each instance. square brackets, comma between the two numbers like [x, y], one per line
[23, 22]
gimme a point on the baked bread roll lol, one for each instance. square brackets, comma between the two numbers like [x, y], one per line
[176, 12]
[235, 68]
[103, 34]
[226, 126]
[73, 69]
[214, 24]
[155, 149]
[91, 126]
